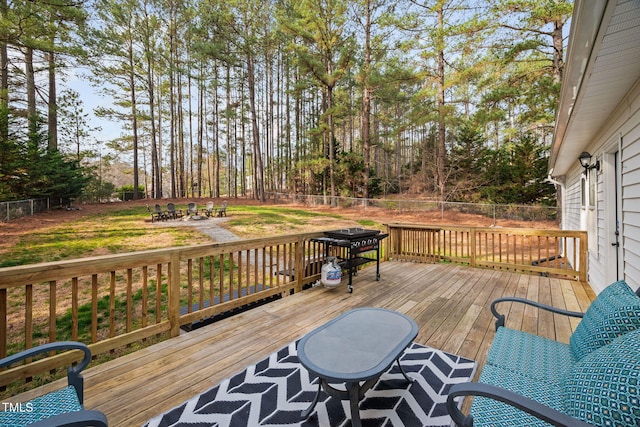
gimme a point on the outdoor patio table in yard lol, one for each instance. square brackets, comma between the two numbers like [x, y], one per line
[355, 348]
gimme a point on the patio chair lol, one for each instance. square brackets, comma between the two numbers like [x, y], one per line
[58, 408]
[192, 209]
[209, 209]
[155, 216]
[163, 215]
[529, 380]
[172, 212]
[223, 209]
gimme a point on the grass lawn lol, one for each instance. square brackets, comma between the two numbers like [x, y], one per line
[129, 229]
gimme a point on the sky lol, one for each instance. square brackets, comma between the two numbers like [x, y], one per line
[92, 98]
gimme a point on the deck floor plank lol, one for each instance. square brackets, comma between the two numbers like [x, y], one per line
[450, 304]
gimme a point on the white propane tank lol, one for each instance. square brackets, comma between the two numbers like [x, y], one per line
[331, 273]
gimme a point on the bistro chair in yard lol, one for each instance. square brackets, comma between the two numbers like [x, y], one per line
[172, 212]
[529, 380]
[62, 407]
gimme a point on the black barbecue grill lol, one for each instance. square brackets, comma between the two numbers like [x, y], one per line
[357, 242]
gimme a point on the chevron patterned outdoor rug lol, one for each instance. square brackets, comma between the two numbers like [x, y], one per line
[274, 391]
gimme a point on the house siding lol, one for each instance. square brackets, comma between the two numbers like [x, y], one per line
[625, 124]
[572, 203]
[631, 200]
[572, 215]
[599, 112]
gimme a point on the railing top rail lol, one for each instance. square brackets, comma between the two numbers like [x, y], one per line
[503, 230]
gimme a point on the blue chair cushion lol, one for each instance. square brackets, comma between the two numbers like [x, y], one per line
[530, 355]
[43, 407]
[490, 412]
[614, 312]
[604, 387]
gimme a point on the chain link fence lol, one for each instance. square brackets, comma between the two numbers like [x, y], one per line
[20, 208]
[502, 212]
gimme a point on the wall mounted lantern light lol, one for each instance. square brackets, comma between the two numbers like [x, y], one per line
[585, 162]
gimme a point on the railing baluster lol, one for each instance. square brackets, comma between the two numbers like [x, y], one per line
[74, 309]
[158, 293]
[145, 295]
[28, 317]
[201, 281]
[52, 310]
[129, 299]
[221, 276]
[240, 268]
[112, 305]
[94, 308]
[212, 288]
[189, 285]
[231, 269]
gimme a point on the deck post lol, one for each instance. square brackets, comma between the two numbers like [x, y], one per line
[388, 243]
[173, 306]
[584, 245]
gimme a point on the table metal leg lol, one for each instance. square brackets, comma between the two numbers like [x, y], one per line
[354, 403]
[305, 414]
[403, 372]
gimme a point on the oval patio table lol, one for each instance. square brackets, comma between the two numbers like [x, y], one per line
[355, 348]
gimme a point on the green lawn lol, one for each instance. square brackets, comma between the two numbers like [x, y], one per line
[129, 230]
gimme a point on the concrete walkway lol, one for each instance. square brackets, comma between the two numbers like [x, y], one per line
[209, 226]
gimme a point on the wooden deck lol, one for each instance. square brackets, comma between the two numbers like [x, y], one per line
[449, 303]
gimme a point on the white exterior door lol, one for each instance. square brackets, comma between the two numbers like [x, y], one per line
[612, 236]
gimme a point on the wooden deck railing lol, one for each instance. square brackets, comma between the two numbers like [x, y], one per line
[552, 252]
[114, 301]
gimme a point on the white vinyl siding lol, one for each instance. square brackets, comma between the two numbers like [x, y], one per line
[573, 203]
[631, 204]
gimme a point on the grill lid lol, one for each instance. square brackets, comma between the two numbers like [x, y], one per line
[351, 233]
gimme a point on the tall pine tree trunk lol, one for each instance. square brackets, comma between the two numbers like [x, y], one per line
[332, 148]
[31, 96]
[172, 116]
[216, 134]
[366, 100]
[4, 78]
[257, 153]
[53, 103]
[156, 170]
[134, 122]
[201, 126]
[440, 151]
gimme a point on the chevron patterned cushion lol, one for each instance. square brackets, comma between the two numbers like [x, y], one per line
[614, 312]
[530, 355]
[604, 387]
[43, 407]
[489, 412]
